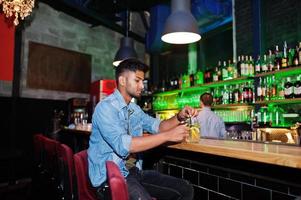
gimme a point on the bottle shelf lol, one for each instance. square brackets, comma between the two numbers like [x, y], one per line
[279, 101]
[205, 86]
[232, 106]
[282, 72]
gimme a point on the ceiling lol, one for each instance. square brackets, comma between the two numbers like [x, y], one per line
[210, 14]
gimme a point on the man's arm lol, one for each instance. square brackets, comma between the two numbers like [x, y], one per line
[176, 134]
[184, 114]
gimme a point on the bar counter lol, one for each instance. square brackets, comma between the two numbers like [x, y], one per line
[277, 154]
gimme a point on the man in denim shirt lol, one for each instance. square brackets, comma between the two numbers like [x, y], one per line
[117, 128]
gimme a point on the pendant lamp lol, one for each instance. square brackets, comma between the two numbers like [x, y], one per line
[126, 49]
[180, 27]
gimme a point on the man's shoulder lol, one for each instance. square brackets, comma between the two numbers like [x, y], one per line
[109, 102]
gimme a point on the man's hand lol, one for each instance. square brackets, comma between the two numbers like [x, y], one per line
[186, 112]
[179, 133]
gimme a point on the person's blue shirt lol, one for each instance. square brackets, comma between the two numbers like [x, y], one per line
[211, 124]
[113, 125]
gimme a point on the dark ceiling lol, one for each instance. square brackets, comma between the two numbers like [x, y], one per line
[105, 12]
[209, 14]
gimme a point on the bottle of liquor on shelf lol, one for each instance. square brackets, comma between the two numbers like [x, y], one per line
[289, 88]
[299, 53]
[191, 79]
[235, 71]
[278, 60]
[230, 69]
[243, 66]
[225, 71]
[199, 78]
[258, 90]
[284, 60]
[297, 87]
[270, 62]
[246, 71]
[273, 88]
[250, 92]
[296, 61]
[225, 95]
[238, 66]
[215, 74]
[208, 75]
[251, 67]
[230, 94]
[258, 65]
[281, 89]
[236, 94]
[263, 86]
[218, 96]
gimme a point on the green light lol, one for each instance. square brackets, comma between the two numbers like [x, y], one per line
[192, 58]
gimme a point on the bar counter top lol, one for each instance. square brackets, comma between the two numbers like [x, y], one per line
[277, 154]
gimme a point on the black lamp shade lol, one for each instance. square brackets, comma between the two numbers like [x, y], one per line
[181, 27]
[125, 51]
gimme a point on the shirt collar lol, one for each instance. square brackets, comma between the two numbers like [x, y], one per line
[121, 102]
[206, 108]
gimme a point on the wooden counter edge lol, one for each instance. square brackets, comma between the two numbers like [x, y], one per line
[258, 156]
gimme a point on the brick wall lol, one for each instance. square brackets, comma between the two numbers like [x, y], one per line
[244, 29]
[281, 21]
[49, 26]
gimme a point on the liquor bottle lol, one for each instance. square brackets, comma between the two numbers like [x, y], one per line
[219, 71]
[284, 60]
[238, 66]
[274, 88]
[218, 96]
[230, 70]
[288, 91]
[191, 79]
[208, 76]
[247, 71]
[281, 89]
[258, 97]
[297, 87]
[250, 93]
[245, 93]
[299, 53]
[242, 66]
[264, 64]
[251, 67]
[296, 57]
[270, 62]
[277, 60]
[230, 94]
[225, 71]
[215, 74]
[263, 89]
[235, 72]
[258, 65]
[236, 94]
[225, 95]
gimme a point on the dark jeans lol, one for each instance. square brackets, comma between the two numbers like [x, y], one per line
[145, 184]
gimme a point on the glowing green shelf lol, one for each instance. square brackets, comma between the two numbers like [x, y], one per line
[279, 101]
[283, 72]
[206, 86]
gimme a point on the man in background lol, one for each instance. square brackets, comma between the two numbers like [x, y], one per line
[211, 125]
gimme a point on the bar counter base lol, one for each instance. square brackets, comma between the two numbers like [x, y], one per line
[219, 177]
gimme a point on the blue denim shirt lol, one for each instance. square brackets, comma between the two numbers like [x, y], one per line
[113, 125]
[211, 124]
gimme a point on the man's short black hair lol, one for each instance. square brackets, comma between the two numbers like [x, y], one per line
[130, 64]
[207, 99]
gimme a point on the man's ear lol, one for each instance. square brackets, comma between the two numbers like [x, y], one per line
[121, 80]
